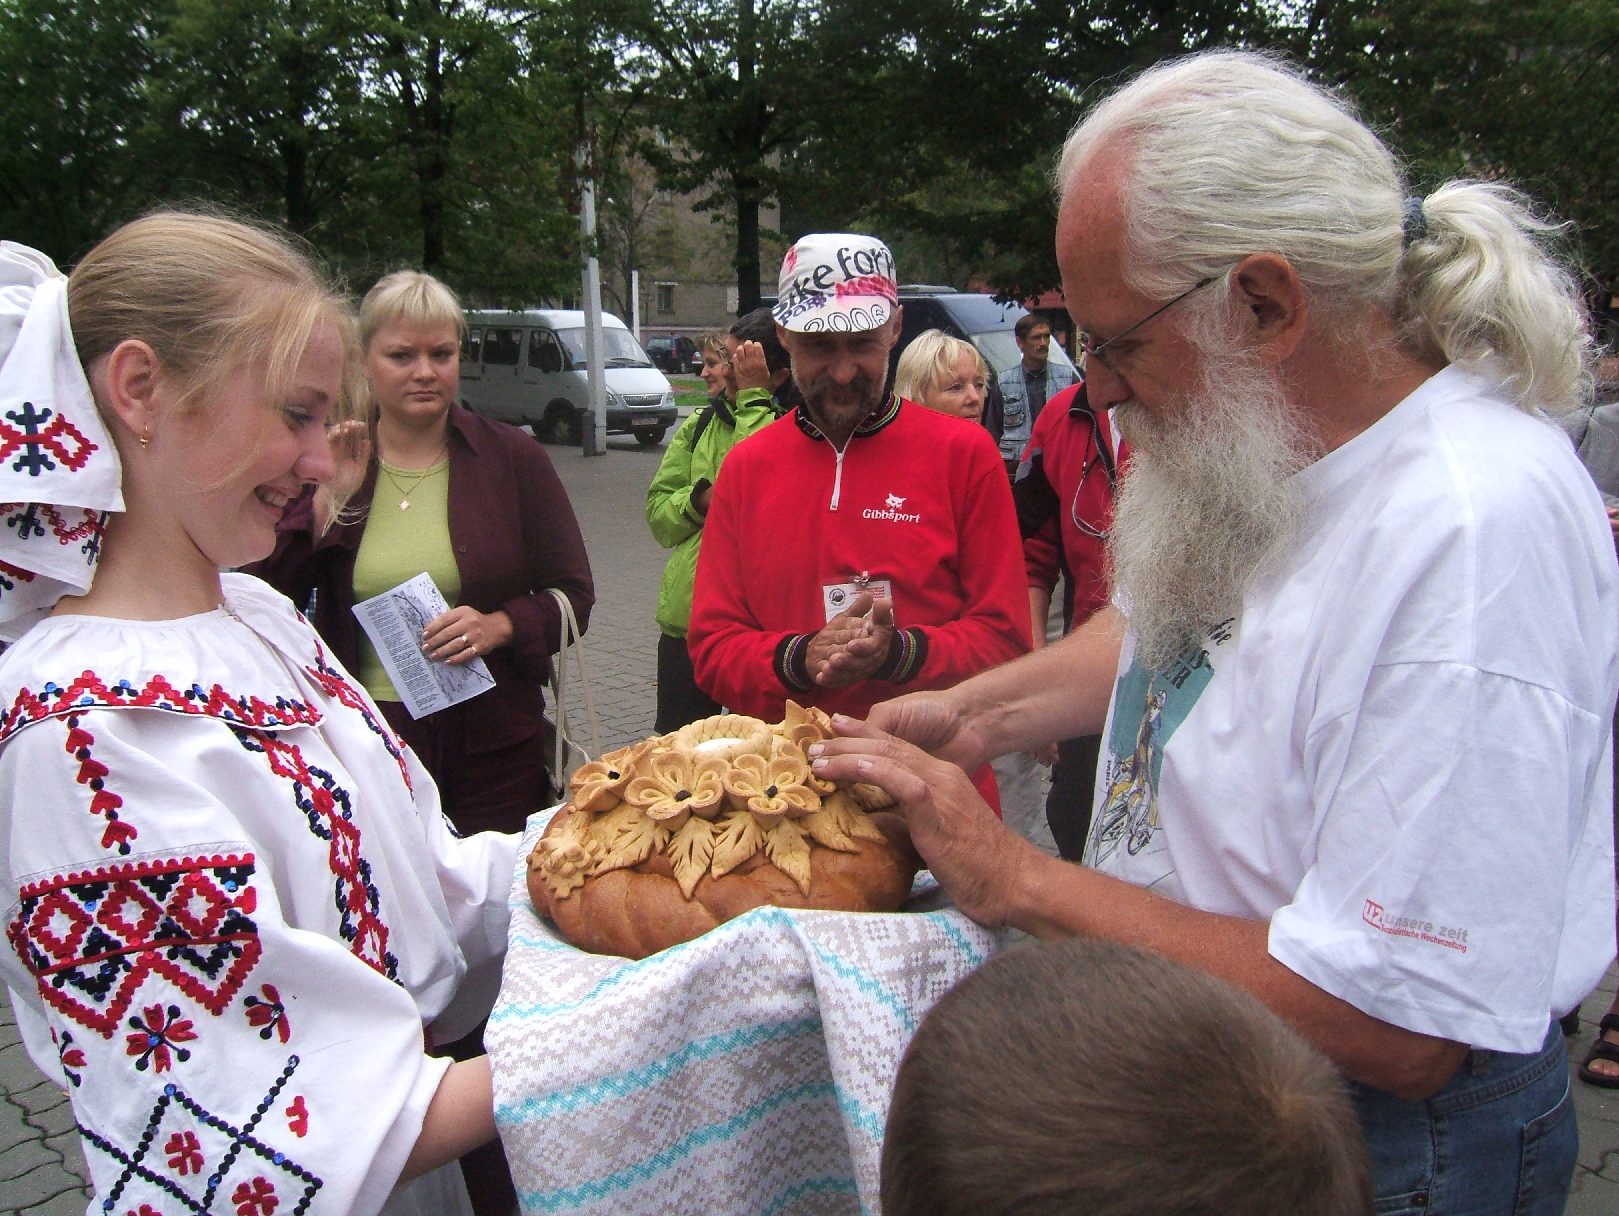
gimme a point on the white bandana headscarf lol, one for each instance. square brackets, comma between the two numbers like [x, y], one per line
[59, 472]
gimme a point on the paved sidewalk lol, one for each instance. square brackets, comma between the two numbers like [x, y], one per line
[41, 1168]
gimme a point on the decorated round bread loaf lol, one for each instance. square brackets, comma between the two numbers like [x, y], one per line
[666, 839]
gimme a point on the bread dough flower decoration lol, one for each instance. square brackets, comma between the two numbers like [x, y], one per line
[599, 785]
[802, 727]
[566, 860]
[772, 787]
[672, 785]
[709, 797]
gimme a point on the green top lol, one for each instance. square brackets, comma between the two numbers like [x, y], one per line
[691, 460]
[398, 544]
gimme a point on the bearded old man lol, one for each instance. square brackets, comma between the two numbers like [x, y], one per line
[1357, 679]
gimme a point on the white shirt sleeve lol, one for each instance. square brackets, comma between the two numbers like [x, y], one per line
[1435, 822]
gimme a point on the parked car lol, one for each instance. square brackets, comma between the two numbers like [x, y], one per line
[674, 355]
[529, 368]
[975, 316]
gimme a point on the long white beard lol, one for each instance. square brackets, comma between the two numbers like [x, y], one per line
[1208, 503]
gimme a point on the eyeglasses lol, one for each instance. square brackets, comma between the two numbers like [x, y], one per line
[1101, 457]
[1094, 351]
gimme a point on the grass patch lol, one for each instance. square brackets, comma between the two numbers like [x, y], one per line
[690, 392]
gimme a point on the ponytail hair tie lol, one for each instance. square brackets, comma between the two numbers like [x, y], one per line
[1415, 224]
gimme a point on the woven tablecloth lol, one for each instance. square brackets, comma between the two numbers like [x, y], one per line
[747, 1071]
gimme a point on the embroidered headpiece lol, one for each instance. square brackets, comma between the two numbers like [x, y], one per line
[59, 472]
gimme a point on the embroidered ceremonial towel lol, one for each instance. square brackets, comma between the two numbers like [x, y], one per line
[747, 1071]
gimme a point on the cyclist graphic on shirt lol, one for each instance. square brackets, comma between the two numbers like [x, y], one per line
[1128, 816]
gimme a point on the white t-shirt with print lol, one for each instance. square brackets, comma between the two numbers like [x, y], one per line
[1399, 753]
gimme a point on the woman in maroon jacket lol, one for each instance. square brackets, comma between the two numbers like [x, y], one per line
[475, 504]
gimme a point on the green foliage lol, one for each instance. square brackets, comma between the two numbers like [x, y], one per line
[1521, 90]
[729, 89]
[441, 133]
[388, 132]
[77, 153]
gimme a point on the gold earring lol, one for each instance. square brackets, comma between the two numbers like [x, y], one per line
[146, 436]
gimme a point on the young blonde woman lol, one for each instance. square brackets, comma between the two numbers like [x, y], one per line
[236, 914]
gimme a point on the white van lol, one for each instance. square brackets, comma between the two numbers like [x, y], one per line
[529, 367]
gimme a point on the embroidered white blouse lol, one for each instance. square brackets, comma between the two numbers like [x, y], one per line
[232, 907]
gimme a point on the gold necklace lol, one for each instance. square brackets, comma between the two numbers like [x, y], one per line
[404, 491]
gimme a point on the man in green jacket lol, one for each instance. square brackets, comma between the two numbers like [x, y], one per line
[677, 500]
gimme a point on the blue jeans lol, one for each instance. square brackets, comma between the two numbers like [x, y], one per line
[1498, 1140]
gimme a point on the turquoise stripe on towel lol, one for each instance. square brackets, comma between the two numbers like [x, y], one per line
[621, 1181]
[623, 1085]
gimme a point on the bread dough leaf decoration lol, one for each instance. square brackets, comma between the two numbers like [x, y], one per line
[870, 797]
[772, 787]
[739, 837]
[842, 810]
[690, 851]
[673, 785]
[824, 828]
[788, 848]
[629, 837]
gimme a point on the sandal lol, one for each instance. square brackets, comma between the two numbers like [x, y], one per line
[1602, 1049]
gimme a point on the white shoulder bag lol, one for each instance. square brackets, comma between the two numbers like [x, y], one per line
[567, 752]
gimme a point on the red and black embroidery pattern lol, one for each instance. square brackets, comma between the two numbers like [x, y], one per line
[159, 1033]
[11, 575]
[93, 939]
[202, 1162]
[91, 691]
[327, 807]
[37, 520]
[92, 775]
[71, 1056]
[268, 1013]
[333, 684]
[35, 433]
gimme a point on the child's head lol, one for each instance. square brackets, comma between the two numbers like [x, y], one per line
[1089, 1077]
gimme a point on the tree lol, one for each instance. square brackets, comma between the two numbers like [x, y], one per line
[949, 134]
[730, 86]
[77, 154]
[1526, 91]
[267, 101]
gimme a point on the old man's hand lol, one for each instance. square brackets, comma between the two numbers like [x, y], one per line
[975, 857]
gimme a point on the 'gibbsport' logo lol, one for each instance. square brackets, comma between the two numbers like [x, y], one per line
[891, 511]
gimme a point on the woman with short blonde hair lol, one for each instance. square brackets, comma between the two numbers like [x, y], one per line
[945, 374]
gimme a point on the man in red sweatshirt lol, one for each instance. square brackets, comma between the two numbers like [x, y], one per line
[862, 545]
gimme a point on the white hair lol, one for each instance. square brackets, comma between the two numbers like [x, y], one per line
[1230, 153]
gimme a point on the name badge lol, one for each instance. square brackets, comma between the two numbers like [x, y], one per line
[836, 597]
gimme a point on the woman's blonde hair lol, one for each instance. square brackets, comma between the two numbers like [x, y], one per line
[210, 295]
[931, 356]
[411, 297]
